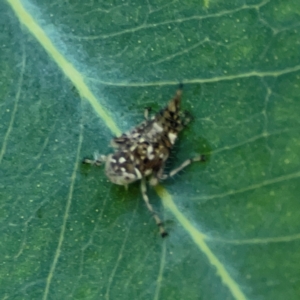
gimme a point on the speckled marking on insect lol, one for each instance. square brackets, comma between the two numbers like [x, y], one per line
[142, 152]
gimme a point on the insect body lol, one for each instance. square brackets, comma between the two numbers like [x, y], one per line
[142, 152]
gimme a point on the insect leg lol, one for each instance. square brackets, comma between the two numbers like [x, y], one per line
[186, 118]
[156, 177]
[183, 165]
[158, 221]
[146, 113]
[98, 160]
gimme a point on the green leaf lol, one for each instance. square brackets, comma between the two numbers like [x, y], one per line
[76, 73]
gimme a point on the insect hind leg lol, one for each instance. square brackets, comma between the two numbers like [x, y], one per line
[183, 165]
[158, 221]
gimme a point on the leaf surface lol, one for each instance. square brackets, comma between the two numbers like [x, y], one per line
[76, 73]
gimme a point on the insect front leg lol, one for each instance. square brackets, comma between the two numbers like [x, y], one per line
[158, 221]
[98, 159]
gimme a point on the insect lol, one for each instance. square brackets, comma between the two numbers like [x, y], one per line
[142, 152]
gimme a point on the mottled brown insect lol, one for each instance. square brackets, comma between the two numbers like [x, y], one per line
[142, 152]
